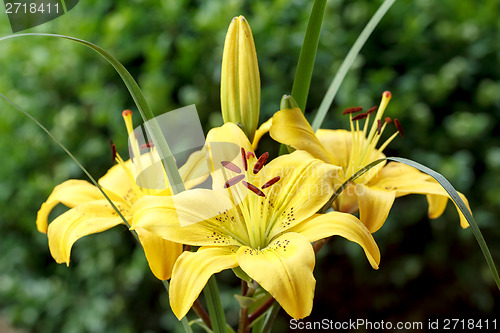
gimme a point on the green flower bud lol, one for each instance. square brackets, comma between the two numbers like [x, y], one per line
[240, 79]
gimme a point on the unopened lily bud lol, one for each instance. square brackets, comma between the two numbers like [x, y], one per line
[288, 102]
[240, 80]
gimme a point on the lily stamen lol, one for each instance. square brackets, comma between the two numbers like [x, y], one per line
[254, 189]
[399, 127]
[260, 162]
[233, 181]
[271, 182]
[231, 166]
[244, 158]
[113, 151]
[353, 109]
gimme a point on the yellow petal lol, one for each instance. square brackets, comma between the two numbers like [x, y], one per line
[259, 133]
[192, 271]
[303, 188]
[290, 127]
[83, 220]
[285, 269]
[338, 143]
[188, 217]
[374, 206]
[195, 170]
[405, 180]
[340, 224]
[70, 193]
[119, 184]
[229, 133]
[160, 253]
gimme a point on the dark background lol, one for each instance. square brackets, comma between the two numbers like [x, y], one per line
[440, 60]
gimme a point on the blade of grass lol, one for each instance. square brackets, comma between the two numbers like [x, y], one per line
[347, 63]
[153, 128]
[303, 75]
[453, 195]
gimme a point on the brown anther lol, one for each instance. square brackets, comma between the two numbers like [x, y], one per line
[271, 182]
[260, 162]
[379, 126]
[254, 189]
[243, 157]
[388, 120]
[371, 110]
[233, 181]
[359, 116]
[352, 110]
[399, 127]
[113, 151]
[250, 154]
[231, 166]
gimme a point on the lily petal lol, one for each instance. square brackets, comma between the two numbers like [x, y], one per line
[303, 178]
[285, 269]
[192, 271]
[339, 143]
[160, 253]
[259, 133]
[229, 133]
[118, 183]
[195, 170]
[186, 217]
[404, 180]
[83, 220]
[374, 206]
[290, 127]
[340, 224]
[71, 193]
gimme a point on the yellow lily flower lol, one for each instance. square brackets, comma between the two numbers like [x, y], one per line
[259, 217]
[91, 213]
[374, 192]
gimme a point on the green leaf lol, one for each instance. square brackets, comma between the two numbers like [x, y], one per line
[303, 75]
[347, 63]
[214, 305]
[453, 195]
[154, 130]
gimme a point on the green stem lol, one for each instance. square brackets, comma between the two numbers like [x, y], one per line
[303, 75]
[214, 305]
[184, 321]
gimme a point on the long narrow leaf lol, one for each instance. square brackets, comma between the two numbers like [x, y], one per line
[303, 75]
[347, 63]
[453, 195]
[144, 109]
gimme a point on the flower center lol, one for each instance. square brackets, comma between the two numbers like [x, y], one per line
[256, 209]
[259, 164]
[364, 144]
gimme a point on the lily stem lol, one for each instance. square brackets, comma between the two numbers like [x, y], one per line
[243, 325]
[202, 313]
[260, 310]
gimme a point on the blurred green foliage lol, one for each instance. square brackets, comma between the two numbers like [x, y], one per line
[439, 59]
